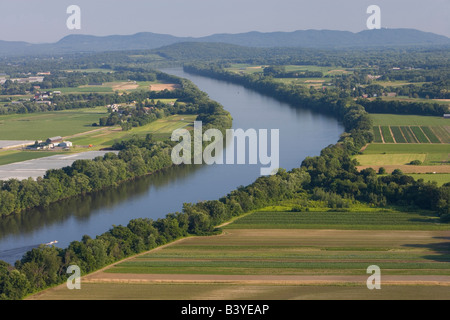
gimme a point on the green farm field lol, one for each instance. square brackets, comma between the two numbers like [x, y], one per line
[403, 154]
[110, 87]
[85, 89]
[289, 252]
[413, 100]
[308, 82]
[410, 129]
[160, 129]
[304, 243]
[77, 125]
[40, 126]
[286, 255]
[439, 178]
[12, 156]
[220, 291]
[375, 148]
[435, 159]
[387, 136]
[407, 120]
[249, 68]
[93, 70]
[389, 159]
[395, 83]
[375, 220]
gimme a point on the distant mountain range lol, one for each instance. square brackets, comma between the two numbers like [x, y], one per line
[302, 38]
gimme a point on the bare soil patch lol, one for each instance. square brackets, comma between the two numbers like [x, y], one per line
[125, 86]
[164, 86]
[313, 81]
[261, 279]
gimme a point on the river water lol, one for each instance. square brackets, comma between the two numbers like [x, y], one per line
[302, 133]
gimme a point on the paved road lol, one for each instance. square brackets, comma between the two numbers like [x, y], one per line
[37, 167]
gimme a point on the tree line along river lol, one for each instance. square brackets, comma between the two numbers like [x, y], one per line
[302, 133]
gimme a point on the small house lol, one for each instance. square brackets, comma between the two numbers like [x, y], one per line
[66, 144]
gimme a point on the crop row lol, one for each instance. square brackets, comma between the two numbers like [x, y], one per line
[173, 266]
[278, 219]
[410, 134]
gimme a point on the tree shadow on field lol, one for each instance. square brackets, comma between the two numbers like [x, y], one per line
[426, 217]
[442, 249]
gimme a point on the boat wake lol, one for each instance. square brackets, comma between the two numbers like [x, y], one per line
[12, 255]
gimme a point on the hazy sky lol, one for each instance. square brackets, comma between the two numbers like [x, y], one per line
[45, 20]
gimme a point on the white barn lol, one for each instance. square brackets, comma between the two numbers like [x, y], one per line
[66, 144]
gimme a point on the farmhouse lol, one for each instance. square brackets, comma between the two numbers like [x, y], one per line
[54, 140]
[65, 144]
[41, 95]
[28, 80]
[114, 107]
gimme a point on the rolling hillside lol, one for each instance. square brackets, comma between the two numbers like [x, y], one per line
[300, 38]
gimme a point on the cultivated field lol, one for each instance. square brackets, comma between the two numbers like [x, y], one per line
[396, 154]
[434, 157]
[389, 128]
[163, 86]
[160, 129]
[411, 134]
[400, 139]
[308, 82]
[408, 99]
[76, 126]
[357, 220]
[121, 86]
[224, 291]
[40, 126]
[286, 255]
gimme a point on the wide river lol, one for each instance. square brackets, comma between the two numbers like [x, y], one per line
[302, 133]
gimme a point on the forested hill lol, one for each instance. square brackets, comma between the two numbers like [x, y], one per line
[300, 38]
[331, 38]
